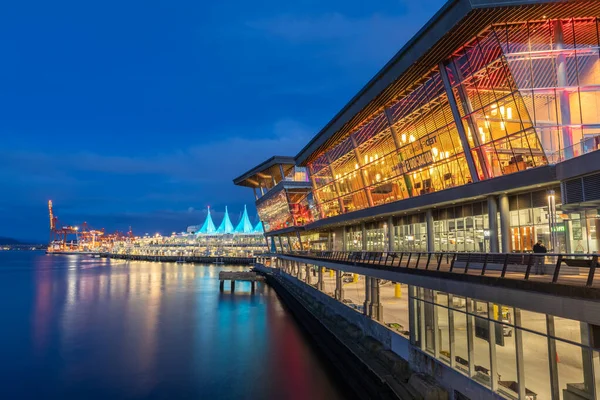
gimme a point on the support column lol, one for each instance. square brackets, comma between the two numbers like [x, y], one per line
[505, 223]
[376, 307]
[363, 227]
[390, 226]
[587, 360]
[308, 276]
[458, 123]
[437, 334]
[452, 339]
[412, 316]
[430, 234]
[519, 355]
[493, 360]
[552, 358]
[367, 304]
[471, 341]
[320, 282]
[339, 289]
[493, 224]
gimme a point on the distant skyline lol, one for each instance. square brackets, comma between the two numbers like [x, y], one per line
[141, 113]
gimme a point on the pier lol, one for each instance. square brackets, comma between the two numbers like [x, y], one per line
[182, 259]
[234, 276]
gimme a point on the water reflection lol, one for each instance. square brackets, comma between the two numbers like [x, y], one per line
[92, 328]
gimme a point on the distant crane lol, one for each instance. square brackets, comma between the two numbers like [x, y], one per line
[59, 236]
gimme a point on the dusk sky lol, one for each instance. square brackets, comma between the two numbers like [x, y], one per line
[142, 112]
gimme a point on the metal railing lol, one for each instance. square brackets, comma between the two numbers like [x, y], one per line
[569, 269]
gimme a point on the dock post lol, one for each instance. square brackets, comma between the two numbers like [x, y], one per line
[252, 285]
[221, 286]
[232, 286]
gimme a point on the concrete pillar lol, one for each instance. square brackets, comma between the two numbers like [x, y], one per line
[320, 278]
[430, 237]
[367, 304]
[493, 224]
[505, 223]
[471, 342]
[363, 228]
[390, 232]
[452, 339]
[586, 357]
[492, 344]
[376, 311]
[519, 358]
[552, 358]
[339, 288]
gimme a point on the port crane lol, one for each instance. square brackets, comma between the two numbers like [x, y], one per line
[59, 235]
[86, 239]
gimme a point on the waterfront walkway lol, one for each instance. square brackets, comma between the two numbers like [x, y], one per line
[579, 270]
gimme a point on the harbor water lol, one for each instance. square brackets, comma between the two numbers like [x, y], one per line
[78, 327]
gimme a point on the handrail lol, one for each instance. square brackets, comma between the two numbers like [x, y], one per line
[565, 268]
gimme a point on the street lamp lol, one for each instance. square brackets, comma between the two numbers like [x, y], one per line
[552, 218]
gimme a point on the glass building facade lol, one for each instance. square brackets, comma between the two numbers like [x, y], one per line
[504, 347]
[526, 95]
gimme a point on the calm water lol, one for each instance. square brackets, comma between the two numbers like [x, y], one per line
[83, 328]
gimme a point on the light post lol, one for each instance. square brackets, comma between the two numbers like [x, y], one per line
[552, 218]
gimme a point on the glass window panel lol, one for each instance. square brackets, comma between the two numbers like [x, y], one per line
[461, 347]
[536, 364]
[481, 350]
[506, 360]
[478, 308]
[568, 329]
[443, 332]
[441, 298]
[571, 377]
[428, 312]
[533, 321]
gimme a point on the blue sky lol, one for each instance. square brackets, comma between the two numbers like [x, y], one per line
[142, 112]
